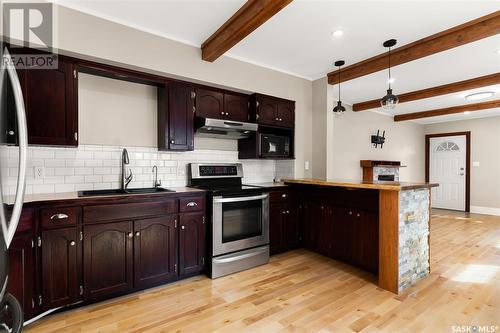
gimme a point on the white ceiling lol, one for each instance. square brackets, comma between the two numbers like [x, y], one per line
[298, 39]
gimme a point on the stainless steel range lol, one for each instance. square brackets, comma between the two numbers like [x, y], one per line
[238, 218]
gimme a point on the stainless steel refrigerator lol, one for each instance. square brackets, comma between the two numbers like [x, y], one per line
[13, 155]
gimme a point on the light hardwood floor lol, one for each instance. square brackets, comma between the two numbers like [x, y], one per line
[300, 291]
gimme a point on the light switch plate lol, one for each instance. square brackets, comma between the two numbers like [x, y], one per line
[475, 163]
[306, 165]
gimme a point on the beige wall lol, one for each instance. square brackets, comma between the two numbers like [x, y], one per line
[352, 132]
[485, 149]
[113, 112]
[347, 139]
[94, 38]
[319, 125]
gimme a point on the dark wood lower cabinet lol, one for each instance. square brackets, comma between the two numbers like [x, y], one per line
[108, 259]
[155, 251]
[60, 285]
[191, 243]
[283, 227]
[22, 279]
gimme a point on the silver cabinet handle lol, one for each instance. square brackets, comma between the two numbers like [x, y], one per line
[227, 113]
[239, 199]
[172, 141]
[222, 113]
[350, 213]
[283, 195]
[138, 233]
[72, 243]
[10, 132]
[191, 204]
[183, 227]
[9, 230]
[59, 216]
[130, 234]
[288, 212]
[358, 215]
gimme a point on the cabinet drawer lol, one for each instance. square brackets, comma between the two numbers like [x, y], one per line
[191, 204]
[280, 196]
[61, 216]
[128, 211]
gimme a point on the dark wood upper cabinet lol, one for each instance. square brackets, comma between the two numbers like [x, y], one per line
[272, 111]
[108, 259]
[155, 251]
[191, 243]
[219, 105]
[286, 113]
[266, 110]
[22, 278]
[236, 107]
[209, 103]
[176, 117]
[60, 284]
[51, 101]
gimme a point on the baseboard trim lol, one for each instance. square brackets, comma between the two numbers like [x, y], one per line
[485, 210]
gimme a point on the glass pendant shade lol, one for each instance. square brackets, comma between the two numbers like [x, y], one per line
[339, 108]
[389, 101]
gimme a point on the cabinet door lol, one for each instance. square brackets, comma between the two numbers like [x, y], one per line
[312, 214]
[344, 231]
[191, 243]
[326, 237]
[367, 239]
[59, 267]
[286, 113]
[236, 107]
[291, 227]
[108, 259]
[181, 117]
[51, 104]
[209, 104]
[22, 273]
[155, 251]
[276, 217]
[267, 111]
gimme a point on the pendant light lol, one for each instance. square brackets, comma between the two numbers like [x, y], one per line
[339, 109]
[390, 100]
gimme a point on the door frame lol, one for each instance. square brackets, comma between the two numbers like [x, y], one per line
[467, 160]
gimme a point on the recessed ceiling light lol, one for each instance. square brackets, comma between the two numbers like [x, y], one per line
[466, 112]
[479, 95]
[337, 33]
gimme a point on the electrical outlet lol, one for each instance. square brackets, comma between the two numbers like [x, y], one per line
[306, 165]
[39, 172]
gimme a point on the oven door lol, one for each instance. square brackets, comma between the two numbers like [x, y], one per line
[240, 223]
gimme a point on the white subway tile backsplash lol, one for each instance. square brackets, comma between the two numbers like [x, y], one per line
[98, 167]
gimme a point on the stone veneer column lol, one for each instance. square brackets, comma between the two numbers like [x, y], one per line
[414, 244]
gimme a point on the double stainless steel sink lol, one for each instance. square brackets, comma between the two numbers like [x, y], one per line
[128, 191]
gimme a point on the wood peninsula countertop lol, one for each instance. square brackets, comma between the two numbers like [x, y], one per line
[374, 185]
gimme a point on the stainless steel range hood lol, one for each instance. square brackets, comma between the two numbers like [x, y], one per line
[223, 129]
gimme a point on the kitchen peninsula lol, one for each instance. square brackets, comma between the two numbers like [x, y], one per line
[382, 227]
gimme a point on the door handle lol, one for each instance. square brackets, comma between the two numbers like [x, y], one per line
[10, 229]
[59, 216]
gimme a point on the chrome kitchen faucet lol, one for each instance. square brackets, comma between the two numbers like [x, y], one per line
[125, 161]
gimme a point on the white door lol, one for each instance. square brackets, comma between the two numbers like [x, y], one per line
[447, 168]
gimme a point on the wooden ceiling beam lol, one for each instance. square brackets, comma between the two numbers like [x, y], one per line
[249, 17]
[478, 82]
[449, 110]
[471, 31]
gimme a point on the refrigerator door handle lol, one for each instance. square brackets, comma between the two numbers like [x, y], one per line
[10, 229]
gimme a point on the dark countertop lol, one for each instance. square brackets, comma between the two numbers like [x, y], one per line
[66, 196]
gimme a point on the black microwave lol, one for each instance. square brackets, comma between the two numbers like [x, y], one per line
[274, 145]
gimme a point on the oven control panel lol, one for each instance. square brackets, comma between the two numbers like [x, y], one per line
[218, 170]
